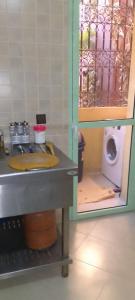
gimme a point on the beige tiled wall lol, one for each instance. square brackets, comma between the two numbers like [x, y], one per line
[33, 64]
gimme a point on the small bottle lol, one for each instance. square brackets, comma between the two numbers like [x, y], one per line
[12, 129]
[39, 131]
[1, 142]
[13, 133]
[26, 133]
[19, 127]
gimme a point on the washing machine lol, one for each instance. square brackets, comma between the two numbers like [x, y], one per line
[113, 148]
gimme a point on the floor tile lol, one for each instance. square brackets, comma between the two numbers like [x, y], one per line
[111, 257]
[84, 282]
[103, 252]
[119, 290]
[84, 226]
[76, 239]
[118, 228]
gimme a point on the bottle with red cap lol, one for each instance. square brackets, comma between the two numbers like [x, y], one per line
[39, 131]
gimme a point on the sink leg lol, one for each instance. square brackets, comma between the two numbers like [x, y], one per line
[65, 240]
[65, 270]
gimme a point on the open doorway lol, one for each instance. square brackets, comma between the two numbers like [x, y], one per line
[103, 159]
[103, 96]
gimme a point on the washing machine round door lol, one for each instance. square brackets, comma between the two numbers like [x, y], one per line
[111, 149]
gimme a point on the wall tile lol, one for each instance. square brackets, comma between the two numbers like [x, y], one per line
[16, 78]
[34, 64]
[56, 77]
[31, 105]
[18, 92]
[44, 65]
[14, 19]
[30, 64]
[16, 64]
[44, 78]
[57, 7]
[31, 79]
[19, 116]
[56, 36]
[29, 35]
[30, 116]
[5, 118]
[29, 50]
[3, 5]
[18, 105]
[3, 19]
[44, 92]
[5, 106]
[44, 106]
[44, 51]
[29, 6]
[31, 92]
[57, 51]
[43, 20]
[56, 21]
[4, 63]
[3, 48]
[5, 92]
[15, 49]
[43, 6]
[4, 78]
[43, 36]
[14, 6]
[14, 34]
[3, 34]
[57, 92]
[28, 20]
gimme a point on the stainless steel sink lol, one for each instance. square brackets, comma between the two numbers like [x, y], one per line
[32, 191]
[36, 190]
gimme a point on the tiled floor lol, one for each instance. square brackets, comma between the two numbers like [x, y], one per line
[103, 252]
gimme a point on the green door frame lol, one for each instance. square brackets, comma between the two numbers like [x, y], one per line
[74, 125]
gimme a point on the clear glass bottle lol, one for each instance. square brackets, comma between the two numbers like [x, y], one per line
[1, 142]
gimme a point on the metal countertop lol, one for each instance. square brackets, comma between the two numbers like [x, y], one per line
[36, 190]
[65, 164]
